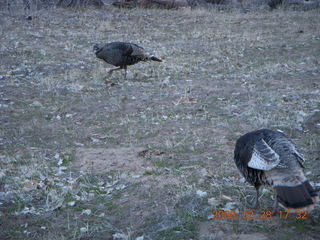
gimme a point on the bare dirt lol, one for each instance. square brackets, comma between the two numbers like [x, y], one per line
[100, 160]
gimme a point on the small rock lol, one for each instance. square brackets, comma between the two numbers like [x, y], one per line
[201, 181]
[149, 170]
[225, 197]
[213, 202]
[2, 174]
[302, 113]
[101, 215]
[4, 105]
[201, 193]
[204, 172]
[87, 212]
[120, 187]
[29, 185]
[110, 190]
[27, 210]
[230, 206]
[79, 144]
[101, 183]
[26, 232]
[62, 168]
[71, 204]
[119, 236]
[36, 104]
[255, 236]
[123, 176]
[60, 162]
[95, 140]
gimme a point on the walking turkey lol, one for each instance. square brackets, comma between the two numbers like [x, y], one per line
[267, 157]
[122, 54]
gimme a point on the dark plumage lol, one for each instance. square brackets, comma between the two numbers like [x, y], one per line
[269, 157]
[122, 54]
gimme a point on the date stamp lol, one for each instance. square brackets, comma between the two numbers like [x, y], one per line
[225, 214]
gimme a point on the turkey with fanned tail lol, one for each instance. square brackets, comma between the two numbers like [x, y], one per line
[267, 157]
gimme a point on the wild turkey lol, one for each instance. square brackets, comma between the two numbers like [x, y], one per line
[269, 157]
[122, 54]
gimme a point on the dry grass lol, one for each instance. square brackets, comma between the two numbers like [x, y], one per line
[223, 74]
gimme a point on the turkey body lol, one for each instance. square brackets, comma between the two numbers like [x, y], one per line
[122, 54]
[267, 157]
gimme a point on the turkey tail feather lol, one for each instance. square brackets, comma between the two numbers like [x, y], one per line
[153, 58]
[302, 196]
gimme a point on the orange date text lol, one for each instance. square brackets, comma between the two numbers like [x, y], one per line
[225, 214]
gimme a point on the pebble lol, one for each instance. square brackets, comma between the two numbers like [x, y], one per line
[60, 162]
[149, 170]
[119, 236]
[101, 215]
[201, 193]
[36, 104]
[225, 197]
[87, 212]
[71, 204]
[120, 187]
[230, 206]
[213, 202]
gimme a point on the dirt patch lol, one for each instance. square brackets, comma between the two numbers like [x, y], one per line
[256, 236]
[313, 123]
[101, 160]
[209, 230]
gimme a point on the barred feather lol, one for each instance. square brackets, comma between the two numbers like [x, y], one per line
[266, 157]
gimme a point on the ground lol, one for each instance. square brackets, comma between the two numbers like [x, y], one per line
[87, 156]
